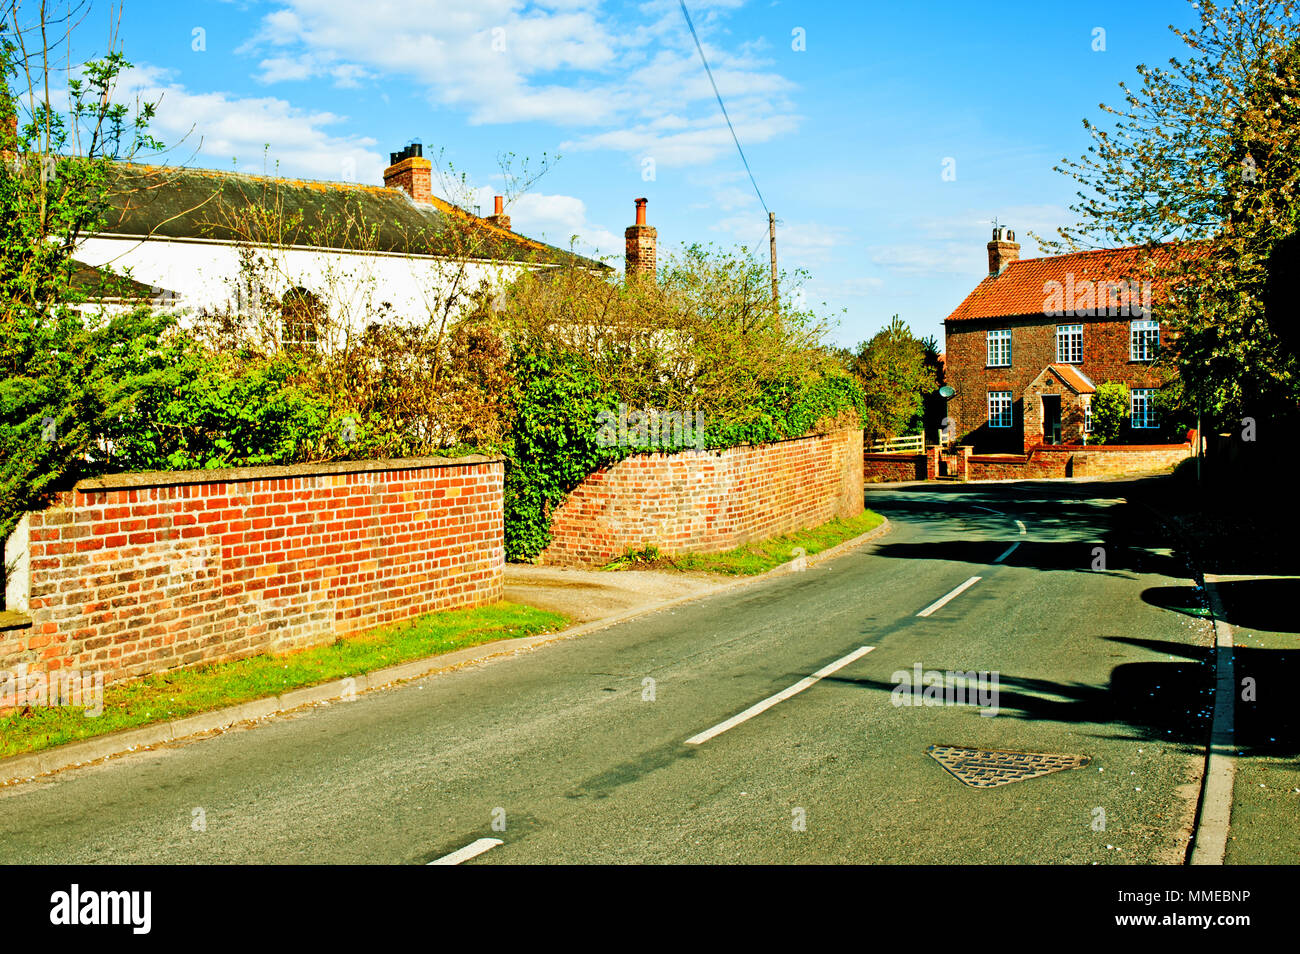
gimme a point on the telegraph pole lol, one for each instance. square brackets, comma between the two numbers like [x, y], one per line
[771, 235]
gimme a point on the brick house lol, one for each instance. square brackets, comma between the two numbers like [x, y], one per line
[1028, 346]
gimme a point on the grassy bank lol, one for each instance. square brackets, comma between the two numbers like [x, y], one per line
[184, 692]
[757, 557]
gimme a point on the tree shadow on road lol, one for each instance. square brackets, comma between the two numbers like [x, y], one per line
[1169, 701]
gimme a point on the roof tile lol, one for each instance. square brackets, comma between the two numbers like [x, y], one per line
[1025, 286]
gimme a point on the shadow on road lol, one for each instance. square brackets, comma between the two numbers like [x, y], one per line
[1267, 605]
[1159, 701]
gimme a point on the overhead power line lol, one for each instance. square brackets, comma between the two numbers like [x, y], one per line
[721, 104]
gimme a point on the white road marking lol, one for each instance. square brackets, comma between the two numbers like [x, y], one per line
[781, 696]
[1010, 550]
[941, 603]
[1021, 526]
[989, 509]
[1211, 837]
[472, 850]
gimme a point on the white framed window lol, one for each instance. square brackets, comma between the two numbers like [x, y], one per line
[1069, 344]
[999, 348]
[1144, 340]
[301, 319]
[1000, 409]
[1087, 414]
[1142, 408]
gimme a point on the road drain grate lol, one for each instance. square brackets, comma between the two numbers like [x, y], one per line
[982, 768]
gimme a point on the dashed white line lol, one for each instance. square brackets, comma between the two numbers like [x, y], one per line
[1009, 550]
[1021, 526]
[943, 601]
[472, 850]
[781, 696]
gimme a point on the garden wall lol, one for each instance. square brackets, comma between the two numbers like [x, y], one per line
[139, 573]
[1062, 461]
[708, 501]
[892, 467]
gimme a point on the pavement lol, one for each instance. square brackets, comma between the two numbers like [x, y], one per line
[586, 596]
[754, 725]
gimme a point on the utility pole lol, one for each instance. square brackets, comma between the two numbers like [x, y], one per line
[771, 234]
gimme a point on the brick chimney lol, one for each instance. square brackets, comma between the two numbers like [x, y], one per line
[409, 171]
[641, 241]
[1003, 250]
[498, 216]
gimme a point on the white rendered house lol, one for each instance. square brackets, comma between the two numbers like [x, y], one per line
[194, 239]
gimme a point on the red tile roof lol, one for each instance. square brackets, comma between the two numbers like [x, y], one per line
[1025, 286]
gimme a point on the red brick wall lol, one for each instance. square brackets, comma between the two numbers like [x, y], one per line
[147, 572]
[1033, 347]
[708, 501]
[1097, 461]
[894, 466]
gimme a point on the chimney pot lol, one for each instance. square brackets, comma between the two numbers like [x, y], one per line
[498, 218]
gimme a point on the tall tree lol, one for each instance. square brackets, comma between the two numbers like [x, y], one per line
[896, 371]
[63, 375]
[1206, 152]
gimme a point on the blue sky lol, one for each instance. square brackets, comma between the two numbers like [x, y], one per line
[847, 137]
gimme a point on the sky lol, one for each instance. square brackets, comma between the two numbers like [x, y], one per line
[885, 136]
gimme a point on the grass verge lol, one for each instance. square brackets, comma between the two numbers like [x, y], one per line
[757, 557]
[185, 692]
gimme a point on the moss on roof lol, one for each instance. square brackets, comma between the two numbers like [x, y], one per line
[185, 203]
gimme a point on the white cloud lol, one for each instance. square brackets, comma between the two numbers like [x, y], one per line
[930, 258]
[798, 244]
[219, 128]
[554, 219]
[559, 61]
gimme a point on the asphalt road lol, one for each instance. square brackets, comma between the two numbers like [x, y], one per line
[568, 751]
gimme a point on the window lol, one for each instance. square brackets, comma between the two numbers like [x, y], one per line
[1142, 408]
[999, 348]
[1069, 344]
[1144, 340]
[1087, 414]
[1000, 409]
[301, 319]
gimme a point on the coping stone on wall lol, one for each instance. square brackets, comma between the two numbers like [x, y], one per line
[168, 478]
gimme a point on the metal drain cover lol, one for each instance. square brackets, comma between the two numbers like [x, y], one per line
[982, 768]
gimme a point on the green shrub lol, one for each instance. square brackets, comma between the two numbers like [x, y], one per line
[1110, 408]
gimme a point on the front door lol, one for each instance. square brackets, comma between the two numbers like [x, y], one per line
[1051, 418]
